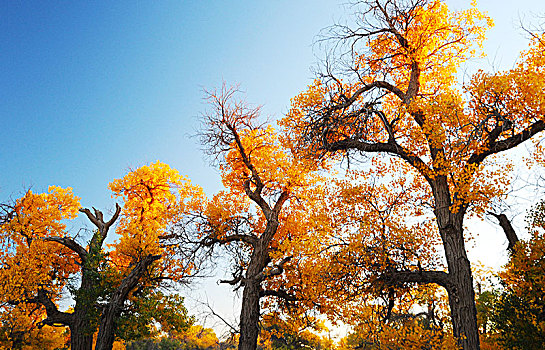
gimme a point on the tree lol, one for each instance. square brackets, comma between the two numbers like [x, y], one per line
[254, 217]
[519, 312]
[394, 93]
[20, 328]
[40, 260]
[295, 331]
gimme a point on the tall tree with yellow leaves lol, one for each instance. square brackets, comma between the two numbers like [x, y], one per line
[264, 183]
[394, 93]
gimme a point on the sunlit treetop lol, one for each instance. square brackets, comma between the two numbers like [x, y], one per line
[155, 197]
[399, 94]
[28, 261]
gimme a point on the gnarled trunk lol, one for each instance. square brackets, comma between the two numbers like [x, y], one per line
[249, 316]
[81, 337]
[460, 294]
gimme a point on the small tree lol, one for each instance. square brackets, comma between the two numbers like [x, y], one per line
[40, 260]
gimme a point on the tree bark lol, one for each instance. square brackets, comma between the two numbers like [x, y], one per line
[249, 316]
[106, 332]
[461, 295]
[81, 338]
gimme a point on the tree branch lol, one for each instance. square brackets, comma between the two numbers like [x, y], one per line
[392, 148]
[504, 145]
[508, 229]
[396, 278]
[250, 239]
[277, 293]
[54, 316]
[98, 220]
[70, 244]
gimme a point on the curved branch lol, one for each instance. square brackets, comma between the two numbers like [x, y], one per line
[392, 148]
[70, 244]
[54, 316]
[510, 142]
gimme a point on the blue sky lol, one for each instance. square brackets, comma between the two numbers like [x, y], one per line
[89, 89]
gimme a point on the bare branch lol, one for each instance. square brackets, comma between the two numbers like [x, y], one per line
[508, 229]
[70, 244]
[278, 293]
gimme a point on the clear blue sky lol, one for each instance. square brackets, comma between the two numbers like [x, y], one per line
[89, 89]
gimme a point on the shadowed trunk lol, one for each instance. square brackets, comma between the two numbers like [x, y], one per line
[461, 294]
[249, 317]
[81, 338]
[106, 332]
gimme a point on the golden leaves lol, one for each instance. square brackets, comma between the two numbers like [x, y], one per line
[155, 197]
[27, 260]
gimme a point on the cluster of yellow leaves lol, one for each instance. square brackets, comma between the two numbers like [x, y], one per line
[19, 329]
[355, 230]
[409, 327]
[277, 167]
[294, 331]
[155, 197]
[437, 40]
[27, 260]
[198, 337]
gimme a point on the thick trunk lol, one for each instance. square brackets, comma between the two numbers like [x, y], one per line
[462, 308]
[80, 336]
[106, 331]
[249, 317]
[461, 294]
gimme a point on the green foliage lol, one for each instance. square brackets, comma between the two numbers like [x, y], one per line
[148, 308]
[98, 285]
[485, 303]
[519, 312]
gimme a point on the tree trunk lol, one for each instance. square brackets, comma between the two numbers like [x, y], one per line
[462, 296]
[249, 316]
[81, 338]
[106, 330]
[105, 337]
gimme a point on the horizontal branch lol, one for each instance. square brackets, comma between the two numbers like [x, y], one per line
[210, 241]
[232, 282]
[278, 293]
[70, 244]
[396, 278]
